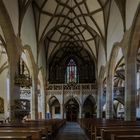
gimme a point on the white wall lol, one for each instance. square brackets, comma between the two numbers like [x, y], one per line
[42, 58]
[101, 57]
[115, 28]
[28, 34]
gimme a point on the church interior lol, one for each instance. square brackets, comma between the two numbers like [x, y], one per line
[71, 65]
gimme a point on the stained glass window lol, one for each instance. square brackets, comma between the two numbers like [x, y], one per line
[71, 72]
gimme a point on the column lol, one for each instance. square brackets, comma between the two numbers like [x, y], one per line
[62, 104]
[62, 110]
[34, 99]
[109, 97]
[47, 108]
[99, 100]
[130, 89]
[14, 90]
[81, 102]
[43, 96]
[80, 111]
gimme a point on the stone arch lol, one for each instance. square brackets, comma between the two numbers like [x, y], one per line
[34, 74]
[130, 74]
[135, 35]
[87, 97]
[54, 107]
[118, 108]
[101, 73]
[71, 109]
[69, 97]
[32, 64]
[87, 27]
[112, 60]
[52, 98]
[89, 107]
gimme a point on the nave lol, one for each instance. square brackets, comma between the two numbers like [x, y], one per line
[70, 60]
[71, 131]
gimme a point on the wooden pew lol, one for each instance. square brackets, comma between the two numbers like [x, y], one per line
[117, 127]
[104, 124]
[52, 125]
[106, 134]
[23, 137]
[47, 127]
[125, 137]
[43, 129]
[93, 126]
[36, 134]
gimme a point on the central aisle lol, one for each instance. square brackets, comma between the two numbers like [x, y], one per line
[71, 131]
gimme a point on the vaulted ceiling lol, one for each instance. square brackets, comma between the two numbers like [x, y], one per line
[70, 28]
[71, 25]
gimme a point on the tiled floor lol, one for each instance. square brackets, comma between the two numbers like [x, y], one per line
[71, 131]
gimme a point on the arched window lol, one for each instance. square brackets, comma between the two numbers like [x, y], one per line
[71, 72]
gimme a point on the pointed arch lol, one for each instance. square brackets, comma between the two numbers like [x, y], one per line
[101, 73]
[89, 107]
[31, 61]
[113, 57]
[134, 41]
[92, 98]
[69, 97]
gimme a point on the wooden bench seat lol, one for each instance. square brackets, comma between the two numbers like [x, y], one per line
[48, 128]
[36, 134]
[43, 129]
[125, 137]
[98, 130]
[93, 126]
[23, 137]
[106, 133]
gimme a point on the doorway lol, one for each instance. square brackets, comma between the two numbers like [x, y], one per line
[72, 110]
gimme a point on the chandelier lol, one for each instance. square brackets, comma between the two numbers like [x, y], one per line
[23, 79]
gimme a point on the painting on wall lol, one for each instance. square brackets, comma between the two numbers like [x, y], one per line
[1, 105]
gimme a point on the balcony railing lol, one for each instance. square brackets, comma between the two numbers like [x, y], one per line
[69, 87]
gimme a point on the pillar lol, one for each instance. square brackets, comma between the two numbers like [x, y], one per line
[99, 100]
[62, 104]
[34, 98]
[81, 102]
[109, 97]
[62, 110]
[130, 89]
[43, 103]
[80, 111]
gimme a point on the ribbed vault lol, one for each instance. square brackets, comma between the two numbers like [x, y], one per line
[73, 26]
[69, 23]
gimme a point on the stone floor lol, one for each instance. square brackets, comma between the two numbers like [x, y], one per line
[71, 131]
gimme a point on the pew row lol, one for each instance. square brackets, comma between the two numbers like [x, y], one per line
[46, 128]
[125, 137]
